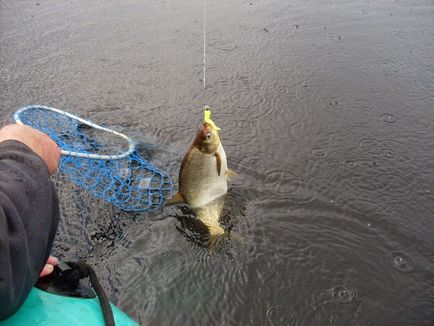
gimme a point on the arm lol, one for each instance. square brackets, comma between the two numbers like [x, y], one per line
[29, 212]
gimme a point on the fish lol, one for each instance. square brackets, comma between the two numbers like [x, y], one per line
[203, 176]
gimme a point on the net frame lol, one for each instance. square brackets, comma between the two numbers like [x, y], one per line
[131, 144]
[126, 180]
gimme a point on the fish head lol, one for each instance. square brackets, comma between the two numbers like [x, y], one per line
[207, 138]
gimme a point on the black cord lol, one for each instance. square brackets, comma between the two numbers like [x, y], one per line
[83, 270]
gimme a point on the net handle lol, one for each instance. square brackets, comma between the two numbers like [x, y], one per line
[131, 144]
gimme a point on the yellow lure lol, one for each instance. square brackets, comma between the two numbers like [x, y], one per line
[207, 117]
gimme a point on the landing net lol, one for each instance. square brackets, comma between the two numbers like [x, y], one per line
[102, 161]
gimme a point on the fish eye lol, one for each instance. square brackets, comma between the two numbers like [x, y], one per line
[208, 136]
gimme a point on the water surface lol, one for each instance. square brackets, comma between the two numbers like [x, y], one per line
[326, 110]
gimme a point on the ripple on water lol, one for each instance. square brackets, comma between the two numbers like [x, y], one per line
[248, 99]
[344, 295]
[372, 146]
[388, 118]
[393, 184]
[333, 104]
[243, 131]
[319, 152]
[285, 185]
[253, 161]
[355, 173]
[358, 117]
[277, 91]
[297, 129]
[365, 206]
[389, 154]
[356, 113]
[283, 90]
[418, 126]
[172, 132]
[396, 184]
[245, 124]
[392, 151]
[326, 305]
[402, 262]
[246, 142]
[279, 315]
[219, 40]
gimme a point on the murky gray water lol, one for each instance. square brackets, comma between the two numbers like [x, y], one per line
[326, 110]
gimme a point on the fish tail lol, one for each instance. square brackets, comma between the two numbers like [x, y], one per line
[217, 236]
[215, 230]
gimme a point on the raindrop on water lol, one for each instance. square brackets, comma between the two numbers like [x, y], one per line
[350, 164]
[402, 262]
[319, 152]
[388, 118]
[372, 146]
[344, 295]
[389, 154]
[278, 315]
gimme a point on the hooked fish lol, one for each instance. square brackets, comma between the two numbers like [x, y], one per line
[203, 177]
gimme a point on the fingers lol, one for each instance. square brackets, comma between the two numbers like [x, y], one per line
[48, 269]
[52, 260]
[38, 142]
[49, 266]
[51, 154]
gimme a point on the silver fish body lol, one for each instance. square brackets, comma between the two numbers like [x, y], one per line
[203, 177]
[203, 187]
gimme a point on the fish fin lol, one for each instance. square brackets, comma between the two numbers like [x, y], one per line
[219, 163]
[229, 174]
[176, 199]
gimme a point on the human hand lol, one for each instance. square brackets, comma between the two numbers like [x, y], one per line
[38, 142]
[49, 266]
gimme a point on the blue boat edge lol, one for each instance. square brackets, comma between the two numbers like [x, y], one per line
[43, 308]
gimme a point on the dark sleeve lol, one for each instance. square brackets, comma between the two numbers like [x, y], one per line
[29, 214]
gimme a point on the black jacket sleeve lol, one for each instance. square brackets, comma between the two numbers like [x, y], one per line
[29, 215]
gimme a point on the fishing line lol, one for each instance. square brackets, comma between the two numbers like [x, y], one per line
[204, 44]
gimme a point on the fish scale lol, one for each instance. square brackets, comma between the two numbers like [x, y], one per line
[200, 182]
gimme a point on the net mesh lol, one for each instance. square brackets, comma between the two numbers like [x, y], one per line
[130, 183]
